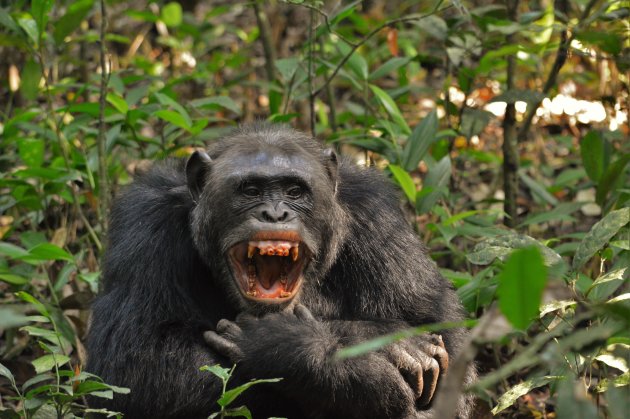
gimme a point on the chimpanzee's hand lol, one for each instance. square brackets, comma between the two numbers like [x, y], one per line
[231, 338]
[422, 361]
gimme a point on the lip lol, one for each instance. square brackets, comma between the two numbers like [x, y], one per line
[268, 268]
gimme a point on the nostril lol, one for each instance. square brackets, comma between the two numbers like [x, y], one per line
[284, 216]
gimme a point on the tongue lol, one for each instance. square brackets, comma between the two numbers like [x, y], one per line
[269, 270]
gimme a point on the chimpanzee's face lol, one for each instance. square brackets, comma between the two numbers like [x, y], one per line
[258, 220]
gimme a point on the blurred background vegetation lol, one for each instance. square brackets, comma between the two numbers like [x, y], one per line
[505, 125]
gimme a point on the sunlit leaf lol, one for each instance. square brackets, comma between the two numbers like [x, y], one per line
[404, 180]
[599, 235]
[521, 284]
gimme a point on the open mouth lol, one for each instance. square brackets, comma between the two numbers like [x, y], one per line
[269, 266]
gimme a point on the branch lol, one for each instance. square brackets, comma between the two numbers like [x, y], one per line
[561, 58]
[371, 34]
[103, 184]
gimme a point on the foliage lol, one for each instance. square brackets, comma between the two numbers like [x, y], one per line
[415, 89]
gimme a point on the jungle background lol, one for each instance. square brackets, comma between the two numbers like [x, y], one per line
[505, 125]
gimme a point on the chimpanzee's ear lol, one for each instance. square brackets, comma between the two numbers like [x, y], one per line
[331, 166]
[197, 168]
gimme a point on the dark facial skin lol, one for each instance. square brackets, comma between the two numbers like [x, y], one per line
[269, 253]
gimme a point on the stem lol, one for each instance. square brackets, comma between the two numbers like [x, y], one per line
[103, 183]
[311, 96]
[265, 37]
[510, 143]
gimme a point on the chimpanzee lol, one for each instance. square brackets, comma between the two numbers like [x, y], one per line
[270, 253]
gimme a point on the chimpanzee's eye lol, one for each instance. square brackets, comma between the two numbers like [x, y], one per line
[294, 191]
[250, 191]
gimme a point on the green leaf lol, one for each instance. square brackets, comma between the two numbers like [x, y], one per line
[391, 108]
[537, 189]
[29, 26]
[610, 177]
[31, 75]
[8, 22]
[40, 10]
[418, 143]
[168, 101]
[436, 182]
[13, 279]
[356, 62]
[592, 150]
[287, 67]
[599, 235]
[69, 22]
[241, 411]
[474, 121]
[118, 102]
[404, 180]
[11, 317]
[25, 296]
[218, 370]
[12, 250]
[509, 397]
[217, 102]
[47, 362]
[390, 65]
[31, 151]
[172, 14]
[4, 371]
[521, 284]
[606, 285]
[173, 117]
[500, 247]
[229, 396]
[44, 252]
[561, 212]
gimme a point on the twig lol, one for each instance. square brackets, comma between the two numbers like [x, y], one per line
[510, 142]
[265, 37]
[311, 96]
[561, 58]
[103, 182]
[376, 30]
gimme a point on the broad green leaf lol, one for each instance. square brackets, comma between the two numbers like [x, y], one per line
[8, 22]
[390, 65]
[218, 370]
[168, 101]
[31, 151]
[173, 117]
[474, 121]
[424, 134]
[561, 212]
[500, 247]
[30, 299]
[609, 42]
[555, 306]
[29, 26]
[117, 102]
[599, 235]
[515, 95]
[219, 102]
[13, 279]
[46, 251]
[241, 411]
[229, 396]
[40, 10]
[11, 317]
[537, 189]
[572, 401]
[391, 108]
[404, 180]
[356, 62]
[509, 397]
[614, 361]
[521, 284]
[12, 250]
[31, 75]
[436, 182]
[592, 150]
[287, 67]
[4, 371]
[611, 175]
[606, 284]
[172, 14]
[70, 21]
[47, 362]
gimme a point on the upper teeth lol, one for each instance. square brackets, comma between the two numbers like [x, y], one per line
[274, 248]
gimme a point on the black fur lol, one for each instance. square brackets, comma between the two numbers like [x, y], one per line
[166, 283]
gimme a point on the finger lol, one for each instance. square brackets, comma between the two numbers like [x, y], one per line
[228, 328]
[303, 313]
[439, 354]
[409, 368]
[430, 376]
[223, 346]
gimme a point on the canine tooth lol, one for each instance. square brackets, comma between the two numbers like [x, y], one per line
[285, 252]
[252, 293]
[295, 251]
[285, 294]
[250, 251]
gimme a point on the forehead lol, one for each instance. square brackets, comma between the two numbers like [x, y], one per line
[268, 162]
